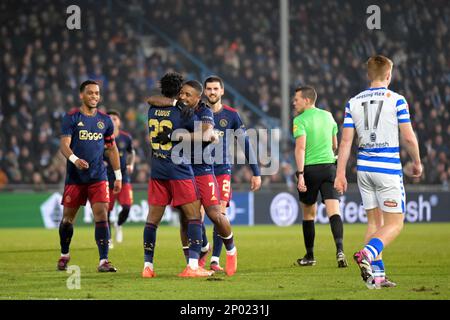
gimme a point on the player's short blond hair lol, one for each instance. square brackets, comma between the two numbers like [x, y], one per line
[378, 66]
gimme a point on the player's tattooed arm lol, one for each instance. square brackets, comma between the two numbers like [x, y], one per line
[81, 164]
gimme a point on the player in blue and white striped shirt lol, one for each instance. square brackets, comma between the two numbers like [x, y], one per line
[378, 115]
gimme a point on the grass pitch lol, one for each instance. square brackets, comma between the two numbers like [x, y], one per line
[419, 261]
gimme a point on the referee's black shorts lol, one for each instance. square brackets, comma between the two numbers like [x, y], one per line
[319, 177]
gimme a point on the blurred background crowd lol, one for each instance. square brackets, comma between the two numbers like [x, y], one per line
[42, 64]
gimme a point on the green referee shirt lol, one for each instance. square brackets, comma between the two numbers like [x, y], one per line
[319, 127]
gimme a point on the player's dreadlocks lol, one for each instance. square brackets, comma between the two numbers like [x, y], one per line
[171, 84]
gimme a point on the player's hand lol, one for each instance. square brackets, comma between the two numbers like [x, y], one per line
[417, 169]
[81, 164]
[340, 184]
[186, 111]
[130, 168]
[164, 136]
[255, 183]
[117, 186]
[301, 186]
[214, 138]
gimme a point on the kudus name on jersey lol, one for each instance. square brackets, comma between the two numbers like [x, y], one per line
[86, 135]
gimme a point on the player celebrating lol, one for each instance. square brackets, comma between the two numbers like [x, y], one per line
[168, 179]
[378, 114]
[205, 180]
[225, 118]
[86, 132]
[124, 144]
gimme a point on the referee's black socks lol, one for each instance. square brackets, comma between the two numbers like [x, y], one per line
[337, 228]
[309, 233]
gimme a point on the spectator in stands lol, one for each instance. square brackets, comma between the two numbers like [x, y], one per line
[42, 62]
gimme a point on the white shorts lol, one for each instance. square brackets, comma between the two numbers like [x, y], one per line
[380, 190]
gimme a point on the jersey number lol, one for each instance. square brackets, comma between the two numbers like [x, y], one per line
[366, 114]
[156, 127]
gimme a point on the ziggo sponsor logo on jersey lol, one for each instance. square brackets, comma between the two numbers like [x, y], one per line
[86, 135]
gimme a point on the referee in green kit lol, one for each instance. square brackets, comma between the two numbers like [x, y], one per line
[315, 143]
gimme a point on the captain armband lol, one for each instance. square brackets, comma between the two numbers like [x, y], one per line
[109, 141]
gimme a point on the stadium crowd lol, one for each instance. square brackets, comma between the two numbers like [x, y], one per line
[43, 63]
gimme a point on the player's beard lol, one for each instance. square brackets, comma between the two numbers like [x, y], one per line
[211, 101]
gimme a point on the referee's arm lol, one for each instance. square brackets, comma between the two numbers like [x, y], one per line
[335, 143]
[300, 145]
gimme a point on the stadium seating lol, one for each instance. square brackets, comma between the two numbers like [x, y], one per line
[42, 64]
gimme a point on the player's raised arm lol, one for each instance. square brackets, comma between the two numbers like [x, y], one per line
[160, 101]
[205, 134]
[165, 102]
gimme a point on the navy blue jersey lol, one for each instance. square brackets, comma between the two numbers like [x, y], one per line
[228, 118]
[90, 135]
[162, 166]
[124, 144]
[204, 114]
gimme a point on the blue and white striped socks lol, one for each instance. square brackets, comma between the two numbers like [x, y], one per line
[374, 248]
[378, 268]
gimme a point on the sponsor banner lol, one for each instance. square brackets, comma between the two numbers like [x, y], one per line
[240, 211]
[285, 208]
[246, 208]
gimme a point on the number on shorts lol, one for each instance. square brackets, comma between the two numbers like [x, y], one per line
[212, 185]
[226, 186]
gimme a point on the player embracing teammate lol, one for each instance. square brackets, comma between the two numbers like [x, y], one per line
[215, 194]
[227, 118]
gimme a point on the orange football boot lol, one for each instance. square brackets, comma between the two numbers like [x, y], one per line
[231, 264]
[197, 273]
[148, 273]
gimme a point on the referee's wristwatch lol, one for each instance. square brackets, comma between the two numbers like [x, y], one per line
[297, 173]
